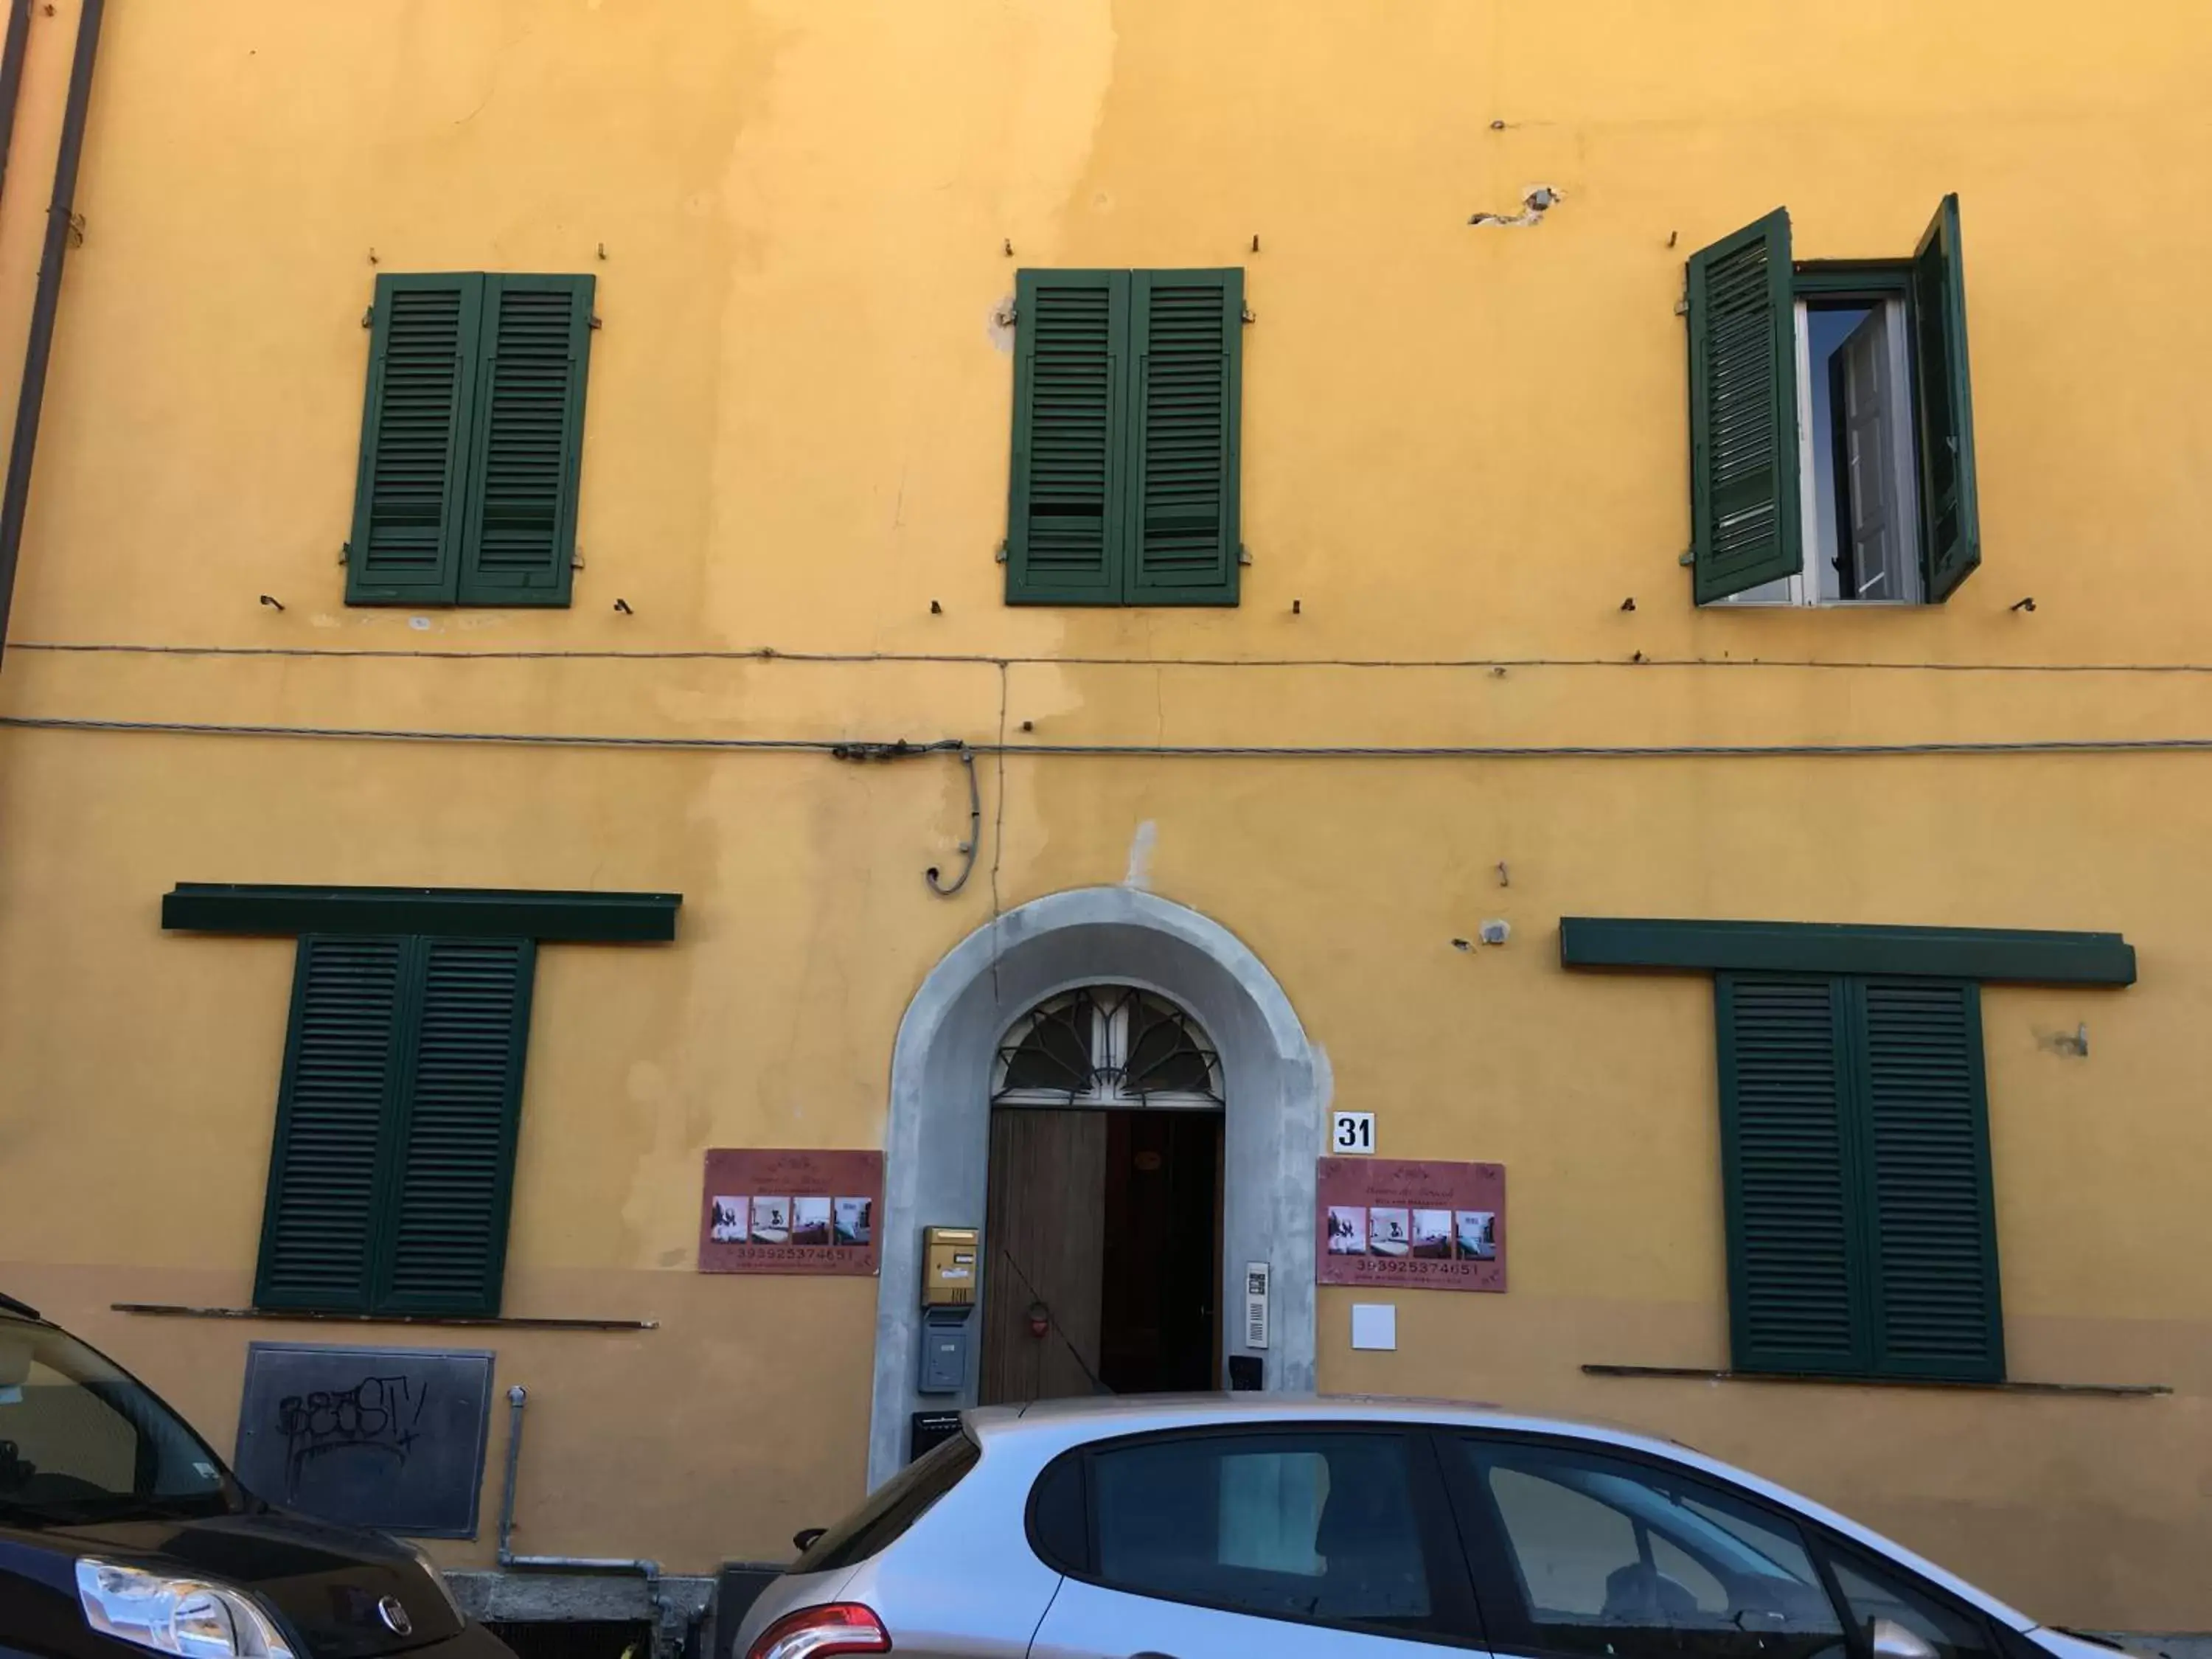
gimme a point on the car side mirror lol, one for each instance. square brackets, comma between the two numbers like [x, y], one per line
[804, 1540]
[1891, 1640]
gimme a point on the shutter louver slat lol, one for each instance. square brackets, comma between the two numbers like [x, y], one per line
[1782, 1109]
[317, 1230]
[1183, 515]
[1743, 411]
[1063, 520]
[521, 538]
[455, 1169]
[1937, 1300]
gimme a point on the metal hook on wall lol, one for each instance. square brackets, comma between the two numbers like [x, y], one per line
[967, 848]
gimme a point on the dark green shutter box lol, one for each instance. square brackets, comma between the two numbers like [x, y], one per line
[2019, 955]
[1854, 1148]
[392, 1168]
[471, 441]
[1745, 529]
[520, 913]
[1124, 477]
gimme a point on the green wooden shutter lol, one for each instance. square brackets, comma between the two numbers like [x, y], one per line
[410, 493]
[1950, 510]
[319, 1225]
[520, 541]
[1937, 1308]
[1064, 519]
[453, 1165]
[1187, 340]
[1794, 1239]
[1745, 528]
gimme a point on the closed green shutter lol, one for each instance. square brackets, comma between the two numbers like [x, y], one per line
[1950, 512]
[455, 1161]
[319, 1222]
[1063, 523]
[410, 497]
[392, 1168]
[1936, 1306]
[1794, 1232]
[1744, 520]
[1855, 1147]
[520, 541]
[1187, 338]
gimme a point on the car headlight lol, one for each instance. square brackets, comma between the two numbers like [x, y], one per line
[188, 1617]
[430, 1571]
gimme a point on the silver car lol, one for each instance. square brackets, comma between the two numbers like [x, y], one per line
[1206, 1527]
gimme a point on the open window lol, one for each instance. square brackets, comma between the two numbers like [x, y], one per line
[1830, 422]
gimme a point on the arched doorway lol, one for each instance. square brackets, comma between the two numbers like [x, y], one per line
[937, 1144]
[1101, 1232]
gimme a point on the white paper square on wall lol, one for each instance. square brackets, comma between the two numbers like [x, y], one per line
[1374, 1325]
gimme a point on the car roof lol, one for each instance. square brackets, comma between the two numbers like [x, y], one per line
[1077, 1421]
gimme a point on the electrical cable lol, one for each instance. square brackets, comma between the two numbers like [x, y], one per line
[851, 749]
[770, 654]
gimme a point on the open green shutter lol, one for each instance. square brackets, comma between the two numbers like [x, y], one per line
[454, 1172]
[410, 493]
[1187, 334]
[319, 1224]
[1937, 1309]
[520, 540]
[1063, 517]
[1950, 512]
[1793, 1238]
[1744, 523]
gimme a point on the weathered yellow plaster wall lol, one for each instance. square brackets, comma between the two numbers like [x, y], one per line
[1462, 446]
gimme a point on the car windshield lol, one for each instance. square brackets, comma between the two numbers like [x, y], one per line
[81, 1441]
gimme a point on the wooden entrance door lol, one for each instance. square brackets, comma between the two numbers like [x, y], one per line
[1044, 1240]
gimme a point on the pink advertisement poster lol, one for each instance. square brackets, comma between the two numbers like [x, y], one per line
[1417, 1225]
[790, 1211]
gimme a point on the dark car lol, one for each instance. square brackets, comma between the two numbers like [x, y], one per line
[122, 1534]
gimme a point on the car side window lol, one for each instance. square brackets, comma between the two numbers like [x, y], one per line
[1314, 1526]
[1578, 1555]
[1920, 1625]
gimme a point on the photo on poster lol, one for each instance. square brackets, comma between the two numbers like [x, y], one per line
[1389, 1232]
[1347, 1230]
[855, 1219]
[732, 1220]
[1433, 1235]
[809, 1221]
[771, 1221]
[1478, 1235]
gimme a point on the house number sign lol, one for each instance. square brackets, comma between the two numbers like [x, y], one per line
[1352, 1134]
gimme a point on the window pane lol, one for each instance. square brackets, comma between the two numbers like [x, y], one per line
[81, 1442]
[1618, 1559]
[1875, 1594]
[894, 1506]
[1303, 1526]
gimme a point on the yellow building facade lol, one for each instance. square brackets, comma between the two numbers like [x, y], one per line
[1464, 681]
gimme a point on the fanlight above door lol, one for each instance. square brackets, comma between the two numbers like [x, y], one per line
[1107, 1046]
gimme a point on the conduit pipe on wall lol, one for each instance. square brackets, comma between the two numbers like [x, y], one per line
[11, 76]
[517, 1397]
[15, 496]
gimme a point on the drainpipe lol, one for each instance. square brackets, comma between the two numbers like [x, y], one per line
[517, 1397]
[11, 74]
[15, 496]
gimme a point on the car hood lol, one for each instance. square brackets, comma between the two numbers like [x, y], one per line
[325, 1583]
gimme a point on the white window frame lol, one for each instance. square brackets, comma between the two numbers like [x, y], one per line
[1904, 464]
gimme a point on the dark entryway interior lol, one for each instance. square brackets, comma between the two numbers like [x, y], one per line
[1110, 1222]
